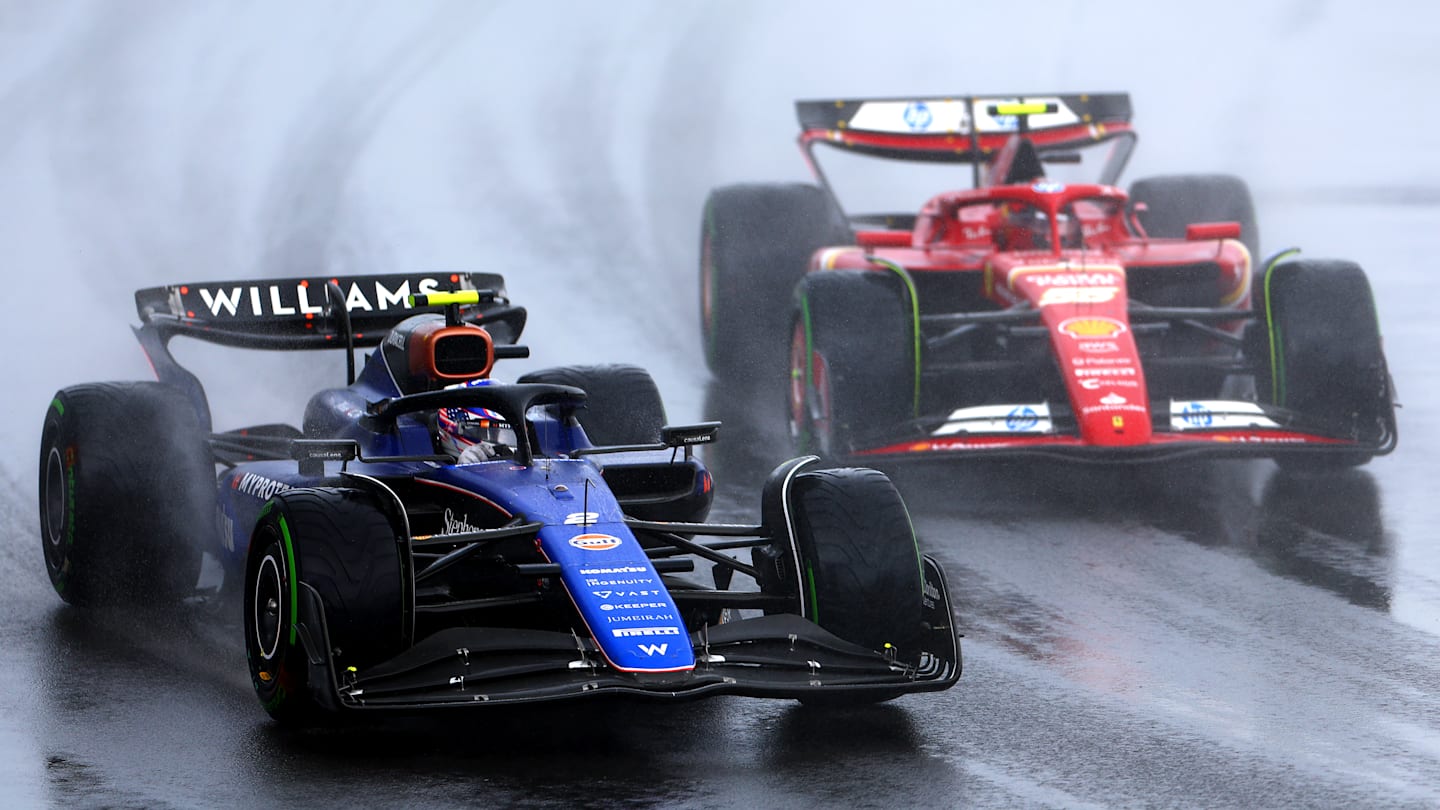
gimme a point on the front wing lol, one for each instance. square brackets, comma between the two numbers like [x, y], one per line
[1181, 429]
[776, 656]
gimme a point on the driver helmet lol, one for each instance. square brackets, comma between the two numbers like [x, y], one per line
[473, 435]
[1024, 227]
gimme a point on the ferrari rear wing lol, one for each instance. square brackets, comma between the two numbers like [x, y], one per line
[962, 129]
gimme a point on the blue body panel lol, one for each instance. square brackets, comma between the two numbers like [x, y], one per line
[615, 589]
[610, 579]
[243, 491]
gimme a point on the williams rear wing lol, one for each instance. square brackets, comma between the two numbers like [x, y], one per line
[316, 313]
[320, 312]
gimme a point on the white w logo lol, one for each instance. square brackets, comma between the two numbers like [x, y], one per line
[654, 649]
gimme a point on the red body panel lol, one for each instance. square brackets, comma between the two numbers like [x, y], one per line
[1239, 439]
[1082, 303]
[1046, 320]
[1074, 272]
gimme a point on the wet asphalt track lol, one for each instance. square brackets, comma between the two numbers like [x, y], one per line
[1214, 635]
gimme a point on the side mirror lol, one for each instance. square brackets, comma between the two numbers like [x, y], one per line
[687, 436]
[1136, 209]
[313, 453]
[1205, 231]
[671, 436]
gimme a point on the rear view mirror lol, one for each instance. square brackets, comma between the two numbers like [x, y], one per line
[1203, 231]
[689, 435]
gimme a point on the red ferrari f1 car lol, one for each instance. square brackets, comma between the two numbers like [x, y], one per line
[1043, 310]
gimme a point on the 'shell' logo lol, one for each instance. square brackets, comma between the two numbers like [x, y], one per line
[1092, 327]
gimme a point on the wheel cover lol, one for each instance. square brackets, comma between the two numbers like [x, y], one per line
[821, 418]
[707, 293]
[799, 384]
[810, 414]
[56, 498]
[265, 610]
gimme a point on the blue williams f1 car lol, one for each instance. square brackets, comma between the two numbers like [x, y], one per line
[431, 537]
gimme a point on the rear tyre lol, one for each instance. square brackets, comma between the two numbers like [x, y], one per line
[622, 404]
[1176, 201]
[127, 494]
[852, 360]
[341, 544]
[1317, 351]
[756, 241]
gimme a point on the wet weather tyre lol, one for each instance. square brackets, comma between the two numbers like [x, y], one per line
[859, 566]
[340, 545]
[622, 404]
[756, 241]
[1176, 201]
[852, 360]
[1317, 351]
[127, 494]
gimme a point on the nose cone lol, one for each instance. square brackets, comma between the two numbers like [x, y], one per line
[1085, 309]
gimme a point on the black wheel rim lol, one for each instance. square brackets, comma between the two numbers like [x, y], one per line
[811, 422]
[822, 425]
[56, 498]
[708, 296]
[799, 390]
[268, 592]
[811, 410]
[707, 288]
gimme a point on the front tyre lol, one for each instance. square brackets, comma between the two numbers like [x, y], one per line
[859, 567]
[1316, 350]
[848, 561]
[279, 670]
[341, 545]
[852, 360]
[127, 494]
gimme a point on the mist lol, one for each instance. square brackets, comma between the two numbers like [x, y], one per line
[570, 147]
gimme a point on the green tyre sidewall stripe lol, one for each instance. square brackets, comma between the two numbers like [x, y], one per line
[294, 585]
[1277, 338]
[914, 324]
[808, 437]
[814, 593]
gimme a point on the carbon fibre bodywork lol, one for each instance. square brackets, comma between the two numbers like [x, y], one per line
[1033, 317]
[554, 571]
